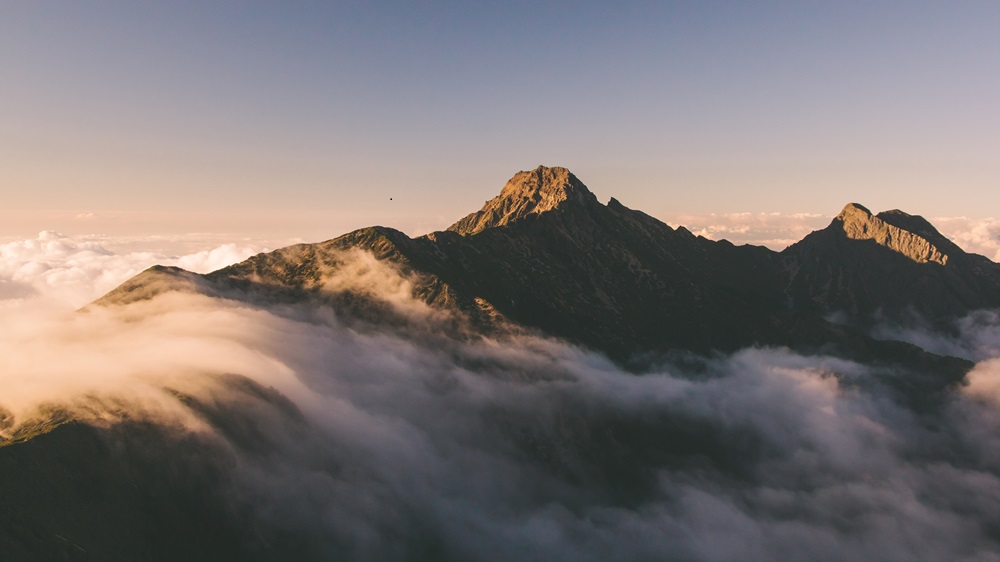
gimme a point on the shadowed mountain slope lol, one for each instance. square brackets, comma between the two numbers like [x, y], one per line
[546, 254]
[888, 264]
[140, 489]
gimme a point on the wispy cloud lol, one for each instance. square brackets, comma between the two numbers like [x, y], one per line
[774, 230]
[76, 270]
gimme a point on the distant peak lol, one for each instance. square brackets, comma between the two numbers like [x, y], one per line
[909, 235]
[527, 193]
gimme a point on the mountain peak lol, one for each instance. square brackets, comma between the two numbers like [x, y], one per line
[527, 193]
[909, 235]
[854, 211]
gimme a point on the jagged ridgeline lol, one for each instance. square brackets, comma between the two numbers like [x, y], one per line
[545, 254]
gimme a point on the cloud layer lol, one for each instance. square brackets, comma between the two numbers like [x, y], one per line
[774, 230]
[73, 272]
[981, 236]
[424, 442]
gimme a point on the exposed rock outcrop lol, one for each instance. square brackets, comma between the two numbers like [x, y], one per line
[527, 193]
[858, 223]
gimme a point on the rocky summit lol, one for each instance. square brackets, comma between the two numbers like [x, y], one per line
[527, 193]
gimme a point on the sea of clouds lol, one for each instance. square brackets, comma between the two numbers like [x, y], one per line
[72, 271]
[425, 445]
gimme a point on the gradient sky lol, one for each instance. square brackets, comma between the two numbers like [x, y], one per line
[301, 119]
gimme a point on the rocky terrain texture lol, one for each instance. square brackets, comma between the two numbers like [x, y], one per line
[527, 193]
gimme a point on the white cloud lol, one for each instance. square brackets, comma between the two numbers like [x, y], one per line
[980, 236]
[76, 270]
[214, 258]
[774, 230]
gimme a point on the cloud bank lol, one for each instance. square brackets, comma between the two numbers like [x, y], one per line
[980, 236]
[427, 443]
[774, 230]
[72, 272]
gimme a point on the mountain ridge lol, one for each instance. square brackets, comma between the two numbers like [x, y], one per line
[545, 254]
[858, 223]
[887, 265]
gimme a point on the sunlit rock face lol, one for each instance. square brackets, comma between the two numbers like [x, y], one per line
[544, 254]
[527, 193]
[859, 224]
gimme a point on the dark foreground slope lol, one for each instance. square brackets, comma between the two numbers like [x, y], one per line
[134, 488]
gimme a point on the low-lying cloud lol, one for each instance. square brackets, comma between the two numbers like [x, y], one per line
[975, 336]
[980, 236]
[73, 272]
[422, 445]
[773, 230]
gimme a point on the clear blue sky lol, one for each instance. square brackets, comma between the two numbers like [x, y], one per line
[303, 118]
